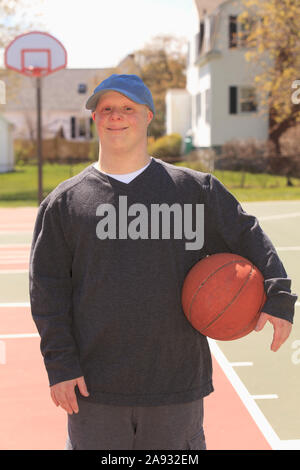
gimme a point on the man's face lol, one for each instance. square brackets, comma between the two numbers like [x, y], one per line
[120, 122]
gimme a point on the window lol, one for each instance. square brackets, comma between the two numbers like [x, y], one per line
[81, 127]
[247, 100]
[242, 100]
[244, 33]
[198, 106]
[82, 88]
[239, 31]
[207, 105]
[201, 35]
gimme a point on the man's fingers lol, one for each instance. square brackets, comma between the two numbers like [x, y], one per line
[72, 401]
[66, 406]
[281, 333]
[63, 394]
[82, 386]
[282, 329]
[52, 393]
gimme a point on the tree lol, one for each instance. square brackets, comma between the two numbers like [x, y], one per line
[16, 17]
[273, 42]
[162, 66]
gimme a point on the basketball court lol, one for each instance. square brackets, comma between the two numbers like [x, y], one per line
[255, 405]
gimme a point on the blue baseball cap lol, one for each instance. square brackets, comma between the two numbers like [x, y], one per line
[131, 86]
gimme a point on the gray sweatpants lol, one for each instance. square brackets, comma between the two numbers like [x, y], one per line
[106, 427]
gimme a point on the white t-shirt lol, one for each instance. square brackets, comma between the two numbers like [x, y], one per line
[125, 177]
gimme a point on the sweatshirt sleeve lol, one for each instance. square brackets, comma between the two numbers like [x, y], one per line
[50, 289]
[238, 232]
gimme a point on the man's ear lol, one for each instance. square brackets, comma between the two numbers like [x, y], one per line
[93, 115]
[150, 116]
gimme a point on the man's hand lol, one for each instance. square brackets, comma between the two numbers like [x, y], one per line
[63, 394]
[282, 329]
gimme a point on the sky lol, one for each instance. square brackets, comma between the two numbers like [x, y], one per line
[100, 33]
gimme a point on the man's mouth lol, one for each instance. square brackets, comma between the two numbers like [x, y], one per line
[114, 129]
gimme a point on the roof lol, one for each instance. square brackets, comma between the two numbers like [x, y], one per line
[207, 6]
[59, 90]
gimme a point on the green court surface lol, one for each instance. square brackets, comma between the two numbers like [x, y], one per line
[273, 378]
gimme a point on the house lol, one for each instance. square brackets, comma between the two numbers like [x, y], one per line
[220, 97]
[64, 94]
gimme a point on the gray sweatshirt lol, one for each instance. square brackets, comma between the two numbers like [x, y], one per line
[107, 265]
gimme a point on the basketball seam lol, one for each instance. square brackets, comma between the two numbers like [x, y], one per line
[203, 282]
[233, 299]
[231, 302]
[245, 328]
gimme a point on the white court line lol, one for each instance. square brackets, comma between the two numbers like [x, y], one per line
[279, 216]
[14, 245]
[2, 352]
[256, 413]
[290, 444]
[14, 304]
[21, 335]
[14, 254]
[15, 261]
[13, 271]
[13, 232]
[17, 225]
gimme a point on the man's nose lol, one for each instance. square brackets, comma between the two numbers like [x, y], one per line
[116, 113]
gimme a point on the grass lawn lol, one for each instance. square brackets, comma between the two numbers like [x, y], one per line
[20, 187]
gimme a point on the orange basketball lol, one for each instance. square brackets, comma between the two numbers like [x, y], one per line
[222, 296]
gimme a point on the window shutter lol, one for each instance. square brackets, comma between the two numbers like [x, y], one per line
[233, 100]
[73, 127]
[232, 31]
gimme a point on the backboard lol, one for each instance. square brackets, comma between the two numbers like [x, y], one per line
[35, 54]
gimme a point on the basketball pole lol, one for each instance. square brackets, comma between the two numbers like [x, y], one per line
[25, 55]
[39, 139]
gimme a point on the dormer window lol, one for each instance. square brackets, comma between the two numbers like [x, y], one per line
[82, 88]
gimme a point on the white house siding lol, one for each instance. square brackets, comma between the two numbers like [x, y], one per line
[216, 69]
[6, 146]
[232, 69]
[178, 112]
[201, 127]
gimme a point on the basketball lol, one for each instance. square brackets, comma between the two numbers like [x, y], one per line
[222, 296]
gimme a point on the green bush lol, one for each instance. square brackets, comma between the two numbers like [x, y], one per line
[166, 146]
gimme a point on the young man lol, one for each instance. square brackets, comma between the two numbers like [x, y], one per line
[106, 272]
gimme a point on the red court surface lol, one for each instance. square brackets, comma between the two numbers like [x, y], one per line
[30, 420]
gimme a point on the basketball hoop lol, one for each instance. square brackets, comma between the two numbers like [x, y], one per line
[32, 71]
[36, 55]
